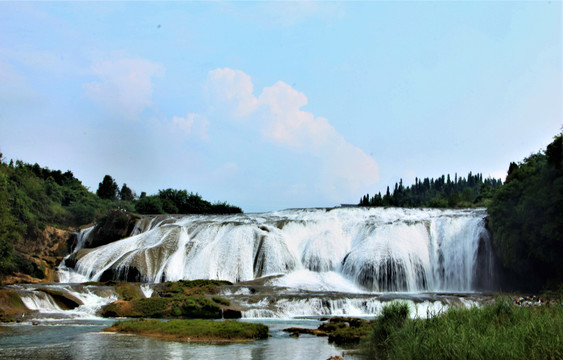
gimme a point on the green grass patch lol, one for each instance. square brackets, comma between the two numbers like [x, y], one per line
[193, 330]
[497, 331]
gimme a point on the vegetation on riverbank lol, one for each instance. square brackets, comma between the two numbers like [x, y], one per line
[526, 219]
[497, 331]
[181, 299]
[193, 330]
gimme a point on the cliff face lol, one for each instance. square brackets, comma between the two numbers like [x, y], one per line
[38, 257]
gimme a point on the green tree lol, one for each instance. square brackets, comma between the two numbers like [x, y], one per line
[126, 194]
[149, 205]
[108, 189]
[526, 219]
[9, 234]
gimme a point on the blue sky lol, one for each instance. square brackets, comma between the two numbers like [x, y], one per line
[272, 105]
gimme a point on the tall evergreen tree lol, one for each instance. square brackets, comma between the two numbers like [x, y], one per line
[108, 189]
[126, 194]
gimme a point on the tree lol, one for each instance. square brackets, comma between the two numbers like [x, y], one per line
[526, 219]
[108, 189]
[9, 231]
[126, 194]
[149, 205]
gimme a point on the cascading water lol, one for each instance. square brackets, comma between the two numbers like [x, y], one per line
[66, 300]
[344, 249]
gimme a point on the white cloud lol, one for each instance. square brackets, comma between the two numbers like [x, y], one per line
[234, 89]
[124, 84]
[191, 124]
[277, 115]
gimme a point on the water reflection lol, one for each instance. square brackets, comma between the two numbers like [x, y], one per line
[73, 341]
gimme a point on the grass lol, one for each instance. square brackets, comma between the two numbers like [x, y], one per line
[193, 330]
[497, 331]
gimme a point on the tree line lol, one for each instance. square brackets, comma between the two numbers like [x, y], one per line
[437, 193]
[167, 201]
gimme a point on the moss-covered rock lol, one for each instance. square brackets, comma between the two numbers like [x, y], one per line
[116, 225]
[129, 291]
[181, 299]
[343, 331]
[11, 305]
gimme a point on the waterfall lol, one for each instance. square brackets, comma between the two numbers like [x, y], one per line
[343, 249]
[81, 238]
[314, 306]
[66, 300]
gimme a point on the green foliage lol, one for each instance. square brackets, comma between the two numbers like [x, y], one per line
[437, 193]
[194, 329]
[108, 189]
[526, 219]
[9, 231]
[497, 331]
[172, 201]
[393, 318]
[149, 205]
[126, 194]
[183, 202]
[32, 197]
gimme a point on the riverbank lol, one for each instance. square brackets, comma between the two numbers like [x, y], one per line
[500, 330]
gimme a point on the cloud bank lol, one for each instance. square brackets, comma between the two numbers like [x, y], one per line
[277, 116]
[124, 85]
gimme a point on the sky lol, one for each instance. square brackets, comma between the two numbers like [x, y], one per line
[274, 105]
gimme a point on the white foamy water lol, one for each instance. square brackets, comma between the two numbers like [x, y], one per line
[356, 307]
[349, 249]
[90, 299]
